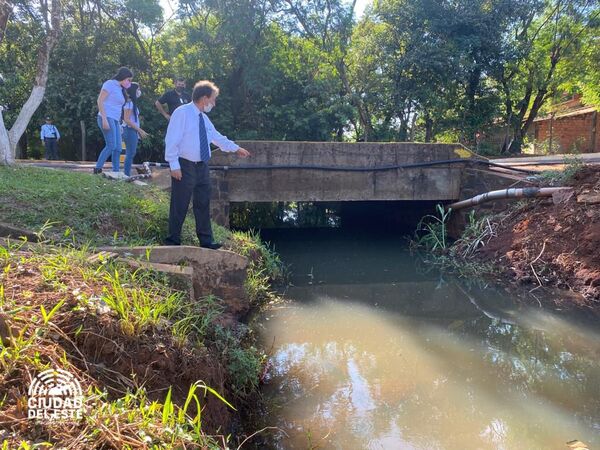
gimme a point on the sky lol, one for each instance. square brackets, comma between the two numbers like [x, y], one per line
[359, 8]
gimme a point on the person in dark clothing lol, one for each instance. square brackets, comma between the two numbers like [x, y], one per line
[173, 98]
[50, 136]
[131, 125]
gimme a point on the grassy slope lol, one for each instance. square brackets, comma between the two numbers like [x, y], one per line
[144, 312]
[98, 211]
[102, 322]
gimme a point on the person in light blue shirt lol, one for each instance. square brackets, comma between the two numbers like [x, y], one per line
[110, 106]
[187, 150]
[131, 126]
[50, 136]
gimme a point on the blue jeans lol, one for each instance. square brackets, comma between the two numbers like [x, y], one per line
[131, 137]
[112, 149]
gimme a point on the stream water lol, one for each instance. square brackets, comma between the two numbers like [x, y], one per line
[373, 351]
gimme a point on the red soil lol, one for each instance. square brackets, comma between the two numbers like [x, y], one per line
[555, 244]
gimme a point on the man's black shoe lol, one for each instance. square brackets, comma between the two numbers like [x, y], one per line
[97, 170]
[211, 245]
[167, 241]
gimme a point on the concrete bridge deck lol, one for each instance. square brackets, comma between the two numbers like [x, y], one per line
[333, 171]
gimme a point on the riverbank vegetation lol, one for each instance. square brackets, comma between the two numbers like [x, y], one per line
[158, 368]
[538, 243]
[435, 246]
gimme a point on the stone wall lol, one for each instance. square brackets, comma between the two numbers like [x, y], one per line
[219, 203]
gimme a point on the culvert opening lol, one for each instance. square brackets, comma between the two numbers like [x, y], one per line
[376, 216]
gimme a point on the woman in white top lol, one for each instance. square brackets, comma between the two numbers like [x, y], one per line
[131, 126]
[110, 106]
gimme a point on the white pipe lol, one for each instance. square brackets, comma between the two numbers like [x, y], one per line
[507, 193]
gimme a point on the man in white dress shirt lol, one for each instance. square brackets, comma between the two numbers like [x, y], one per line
[187, 151]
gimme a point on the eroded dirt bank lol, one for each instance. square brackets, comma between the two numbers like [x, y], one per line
[554, 242]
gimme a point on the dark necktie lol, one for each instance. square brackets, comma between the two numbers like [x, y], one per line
[204, 148]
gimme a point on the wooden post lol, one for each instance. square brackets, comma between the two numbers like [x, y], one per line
[593, 146]
[550, 152]
[83, 149]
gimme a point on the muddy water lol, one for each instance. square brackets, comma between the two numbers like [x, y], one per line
[375, 352]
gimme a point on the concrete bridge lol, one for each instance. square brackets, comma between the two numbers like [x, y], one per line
[283, 171]
[343, 172]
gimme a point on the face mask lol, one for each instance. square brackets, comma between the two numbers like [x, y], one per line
[208, 108]
[138, 93]
[126, 84]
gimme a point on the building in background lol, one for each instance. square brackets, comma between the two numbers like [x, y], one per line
[569, 128]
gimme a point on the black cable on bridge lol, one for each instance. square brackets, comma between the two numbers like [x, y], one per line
[371, 169]
[329, 168]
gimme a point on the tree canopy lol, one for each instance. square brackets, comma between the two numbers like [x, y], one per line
[426, 70]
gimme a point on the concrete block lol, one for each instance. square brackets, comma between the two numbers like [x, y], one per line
[218, 272]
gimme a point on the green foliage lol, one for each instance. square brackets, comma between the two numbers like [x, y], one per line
[477, 232]
[432, 231]
[174, 417]
[244, 363]
[139, 308]
[265, 266]
[262, 258]
[46, 316]
[488, 150]
[456, 257]
[547, 147]
[145, 303]
[165, 425]
[308, 70]
[581, 73]
[572, 165]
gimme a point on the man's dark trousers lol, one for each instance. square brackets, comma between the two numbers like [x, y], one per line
[51, 145]
[195, 182]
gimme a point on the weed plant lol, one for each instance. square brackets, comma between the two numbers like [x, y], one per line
[432, 242]
[265, 267]
[572, 165]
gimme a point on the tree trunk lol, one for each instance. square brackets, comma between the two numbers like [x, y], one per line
[411, 128]
[23, 147]
[27, 111]
[471, 91]
[6, 154]
[5, 10]
[363, 115]
[428, 128]
[9, 139]
[521, 125]
[83, 143]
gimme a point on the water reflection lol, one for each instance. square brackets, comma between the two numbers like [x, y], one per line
[285, 214]
[355, 377]
[411, 361]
